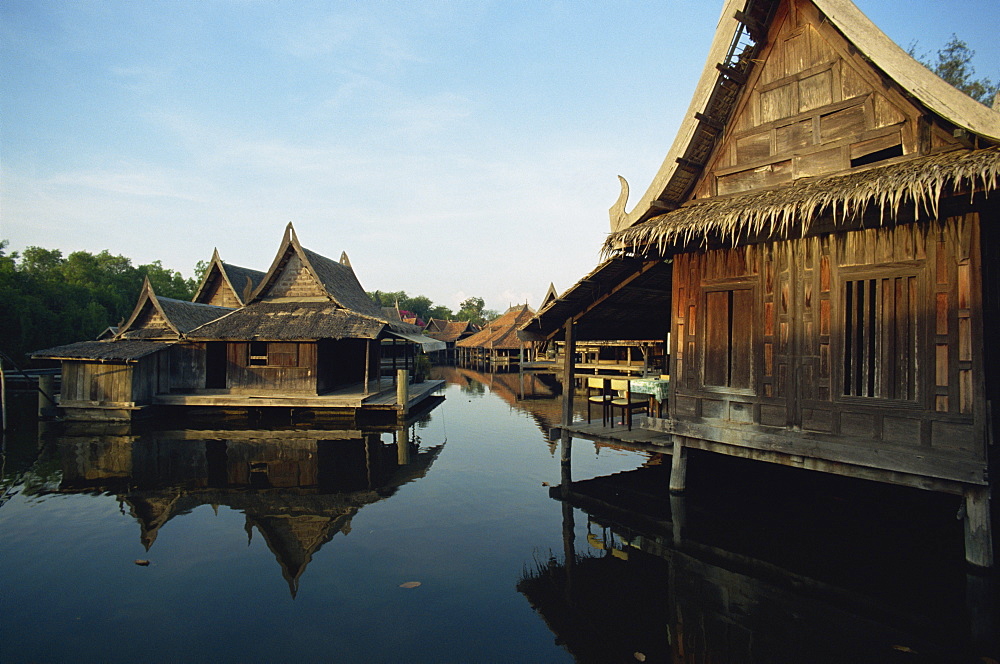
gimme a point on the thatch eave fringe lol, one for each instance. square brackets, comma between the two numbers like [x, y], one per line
[775, 212]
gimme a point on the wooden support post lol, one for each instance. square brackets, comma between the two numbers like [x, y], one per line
[402, 389]
[368, 363]
[978, 535]
[45, 396]
[678, 466]
[569, 387]
[3, 397]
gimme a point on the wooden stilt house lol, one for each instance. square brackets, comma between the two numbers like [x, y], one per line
[115, 377]
[449, 332]
[829, 220]
[309, 328]
[497, 345]
[307, 331]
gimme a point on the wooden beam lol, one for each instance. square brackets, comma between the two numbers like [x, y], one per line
[732, 74]
[709, 122]
[754, 27]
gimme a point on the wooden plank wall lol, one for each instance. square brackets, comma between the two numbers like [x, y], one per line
[786, 308]
[96, 381]
[274, 379]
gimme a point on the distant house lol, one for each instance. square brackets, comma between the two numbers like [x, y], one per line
[307, 329]
[227, 285]
[449, 332]
[497, 345]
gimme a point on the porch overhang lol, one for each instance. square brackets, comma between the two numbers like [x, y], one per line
[625, 299]
[427, 344]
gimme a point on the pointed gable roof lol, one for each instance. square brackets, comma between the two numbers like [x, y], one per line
[740, 38]
[550, 296]
[237, 282]
[298, 274]
[157, 317]
[502, 332]
[449, 330]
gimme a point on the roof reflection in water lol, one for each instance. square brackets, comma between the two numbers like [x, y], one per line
[298, 488]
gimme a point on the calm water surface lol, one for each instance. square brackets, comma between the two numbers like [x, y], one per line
[282, 544]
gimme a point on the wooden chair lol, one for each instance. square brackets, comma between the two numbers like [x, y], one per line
[626, 402]
[602, 398]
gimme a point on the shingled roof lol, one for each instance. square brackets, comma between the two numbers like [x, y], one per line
[157, 317]
[240, 281]
[449, 330]
[280, 321]
[335, 281]
[116, 350]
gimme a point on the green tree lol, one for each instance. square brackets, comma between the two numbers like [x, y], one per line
[472, 309]
[440, 312]
[954, 65]
[48, 300]
[167, 282]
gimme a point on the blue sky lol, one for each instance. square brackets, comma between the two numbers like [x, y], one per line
[452, 148]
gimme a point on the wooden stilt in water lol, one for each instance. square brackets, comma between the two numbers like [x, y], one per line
[678, 516]
[978, 535]
[678, 466]
[403, 448]
[402, 390]
[569, 530]
[3, 397]
[46, 400]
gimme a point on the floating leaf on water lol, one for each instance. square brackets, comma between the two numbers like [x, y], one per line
[409, 584]
[904, 649]
[639, 656]
[142, 563]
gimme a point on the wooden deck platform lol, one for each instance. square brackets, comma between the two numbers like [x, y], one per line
[351, 397]
[640, 439]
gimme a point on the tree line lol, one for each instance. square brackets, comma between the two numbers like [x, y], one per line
[471, 309]
[47, 299]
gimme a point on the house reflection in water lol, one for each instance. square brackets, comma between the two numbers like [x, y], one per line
[298, 488]
[740, 575]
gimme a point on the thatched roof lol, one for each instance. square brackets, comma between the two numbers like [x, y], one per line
[502, 332]
[716, 92]
[288, 321]
[772, 213]
[241, 280]
[118, 350]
